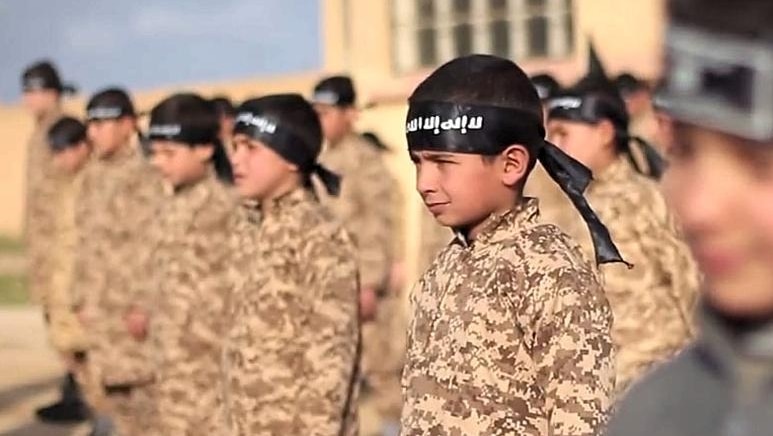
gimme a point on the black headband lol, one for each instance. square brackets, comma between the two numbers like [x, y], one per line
[65, 139]
[99, 113]
[591, 110]
[181, 133]
[488, 130]
[287, 144]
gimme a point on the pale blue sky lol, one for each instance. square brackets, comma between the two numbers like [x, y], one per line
[150, 43]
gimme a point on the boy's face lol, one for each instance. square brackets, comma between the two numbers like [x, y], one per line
[462, 190]
[336, 121]
[180, 164]
[40, 101]
[590, 144]
[259, 172]
[71, 159]
[721, 188]
[107, 136]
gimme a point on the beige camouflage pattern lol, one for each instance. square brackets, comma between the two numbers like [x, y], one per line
[653, 303]
[114, 212]
[191, 272]
[65, 330]
[291, 359]
[509, 336]
[365, 206]
[40, 209]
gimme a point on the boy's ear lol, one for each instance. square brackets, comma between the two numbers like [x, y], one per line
[607, 131]
[515, 162]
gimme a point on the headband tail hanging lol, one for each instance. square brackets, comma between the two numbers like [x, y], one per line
[573, 178]
[330, 180]
[655, 162]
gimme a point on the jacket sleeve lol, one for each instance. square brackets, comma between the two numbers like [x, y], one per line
[332, 335]
[573, 351]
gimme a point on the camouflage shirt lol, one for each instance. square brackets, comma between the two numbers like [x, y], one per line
[40, 213]
[191, 272]
[114, 212]
[292, 350]
[653, 302]
[509, 336]
[65, 330]
[365, 206]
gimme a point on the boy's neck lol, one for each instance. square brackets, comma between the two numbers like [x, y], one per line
[471, 232]
[269, 202]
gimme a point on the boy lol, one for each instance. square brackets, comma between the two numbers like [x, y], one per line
[291, 359]
[510, 328]
[114, 211]
[720, 184]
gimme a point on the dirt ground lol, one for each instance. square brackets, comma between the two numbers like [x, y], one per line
[29, 374]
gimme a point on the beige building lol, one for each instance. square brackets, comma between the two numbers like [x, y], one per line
[390, 45]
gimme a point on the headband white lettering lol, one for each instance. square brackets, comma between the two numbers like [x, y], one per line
[326, 97]
[165, 130]
[565, 103]
[35, 83]
[104, 113]
[463, 124]
[264, 125]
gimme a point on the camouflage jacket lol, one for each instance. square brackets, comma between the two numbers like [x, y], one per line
[40, 214]
[191, 272]
[509, 335]
[114, 212]
[365, 206]
[291, 359]
[654, 302]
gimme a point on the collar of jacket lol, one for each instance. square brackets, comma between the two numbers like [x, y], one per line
[277, 206]
[733, 350]
[501, 225]
[619, 171]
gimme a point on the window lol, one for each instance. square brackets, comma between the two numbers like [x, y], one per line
[429, 32]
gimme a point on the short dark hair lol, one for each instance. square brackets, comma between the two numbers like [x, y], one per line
[66, 133]
[223, 106]
[483, 80]
[193, 111]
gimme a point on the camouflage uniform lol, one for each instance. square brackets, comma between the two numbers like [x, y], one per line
[653, 302]
[40, 213]
[366, 207]
[194, 266]
[509, 336]
[65, 330]
[114, 212]
[365, 204]
[291, 360]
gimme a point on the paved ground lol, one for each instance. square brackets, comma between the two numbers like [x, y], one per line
[29, 374]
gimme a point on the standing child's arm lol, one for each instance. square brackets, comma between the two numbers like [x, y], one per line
[573, 351]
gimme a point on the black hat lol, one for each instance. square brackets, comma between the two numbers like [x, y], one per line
[110, 104]
[335, 91]
[66, 133]
[546, 85]
[43, 75]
